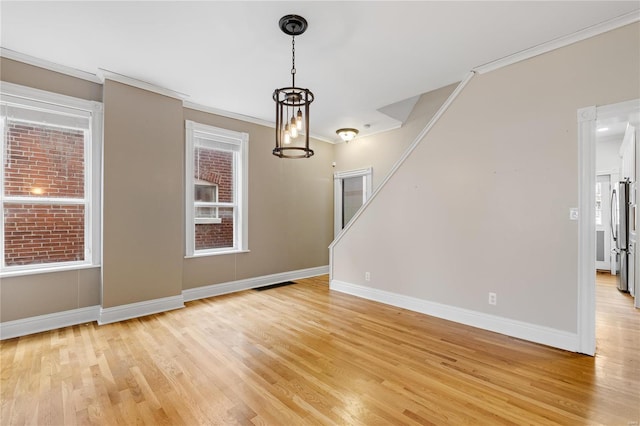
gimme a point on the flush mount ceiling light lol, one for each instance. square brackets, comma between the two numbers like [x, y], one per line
[347, 133]
[292, 103]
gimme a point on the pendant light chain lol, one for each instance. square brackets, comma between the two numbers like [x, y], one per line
[293, 61]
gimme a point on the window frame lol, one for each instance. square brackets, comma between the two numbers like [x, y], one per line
[67, 106]
[238, 143]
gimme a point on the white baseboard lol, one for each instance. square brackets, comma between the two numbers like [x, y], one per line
[249, 283]
[139, 309]
[37, 324]
[522, 330]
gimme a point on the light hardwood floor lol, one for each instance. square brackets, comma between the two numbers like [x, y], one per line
[301, 354]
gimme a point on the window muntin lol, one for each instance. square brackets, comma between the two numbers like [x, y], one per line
[216, 190]
[49, 186]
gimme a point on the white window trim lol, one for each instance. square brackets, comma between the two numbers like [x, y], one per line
[67, 105]
[241, 140]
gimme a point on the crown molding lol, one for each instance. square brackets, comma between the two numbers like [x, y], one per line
[48, 65]
[104, 74]
[228, 114]
[557, 43]
[241, 117]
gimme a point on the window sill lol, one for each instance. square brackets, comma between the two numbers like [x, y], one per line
[45, 270]
[218, 253]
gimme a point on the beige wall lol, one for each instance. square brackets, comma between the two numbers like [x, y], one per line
[38, 294]
[381, 151]
[142, 195]
[290, 206]
[482, 204]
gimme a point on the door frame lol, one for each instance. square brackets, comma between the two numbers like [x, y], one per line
[337, 193]
[587, 117]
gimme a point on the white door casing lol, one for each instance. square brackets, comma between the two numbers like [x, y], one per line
[339, 179]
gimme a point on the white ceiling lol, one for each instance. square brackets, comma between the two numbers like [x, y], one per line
[613, 128]
[356, 57]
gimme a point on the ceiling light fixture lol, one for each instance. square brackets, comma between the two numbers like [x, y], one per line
[292, 103]
[603, 129]
[347, 133]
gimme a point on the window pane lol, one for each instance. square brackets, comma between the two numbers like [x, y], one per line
[216, 168]
[206, 212]
[205, 193]
[216, 235]
[43, 161]
[40, 233]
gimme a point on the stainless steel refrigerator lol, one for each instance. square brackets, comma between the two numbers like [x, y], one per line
[620, 231]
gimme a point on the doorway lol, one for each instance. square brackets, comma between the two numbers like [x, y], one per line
[351, 190]
[589, 120]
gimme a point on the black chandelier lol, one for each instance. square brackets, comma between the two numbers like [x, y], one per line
[292, 103]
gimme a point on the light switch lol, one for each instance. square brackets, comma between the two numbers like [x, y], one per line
[573, 213]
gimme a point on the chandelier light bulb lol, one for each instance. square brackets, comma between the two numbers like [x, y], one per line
[287, 138]
[294, 128]
[299, 119]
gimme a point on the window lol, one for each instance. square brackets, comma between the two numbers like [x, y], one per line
[216, 190]
[49, 180]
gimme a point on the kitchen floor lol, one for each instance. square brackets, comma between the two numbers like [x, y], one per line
[617, 321]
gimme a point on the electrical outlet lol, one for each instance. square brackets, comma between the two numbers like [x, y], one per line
[367, 276]
[493, 299]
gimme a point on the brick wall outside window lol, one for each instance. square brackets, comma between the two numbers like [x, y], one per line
[43, 162]
[216, 167]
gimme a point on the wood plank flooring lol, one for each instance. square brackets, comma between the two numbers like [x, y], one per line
[301, 354]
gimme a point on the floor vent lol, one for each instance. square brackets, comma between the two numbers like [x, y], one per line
[268, 287]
